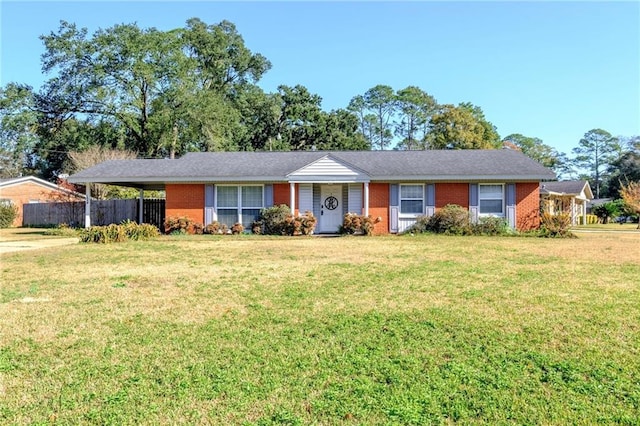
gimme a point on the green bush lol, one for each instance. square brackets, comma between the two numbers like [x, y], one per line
[8, 213]
[491, 225]
[278, 220]
[118, 233]
[356, 224]
[609, 210]
[455, 220]
[451, 219]
[272, 220]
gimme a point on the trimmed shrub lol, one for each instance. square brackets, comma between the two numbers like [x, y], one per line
[182, 225]
[356, 224]
[213, 228]
[118, 233]
[8, 213]
[237, 228]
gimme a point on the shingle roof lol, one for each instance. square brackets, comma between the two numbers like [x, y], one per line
[434, 165]
[563, 187]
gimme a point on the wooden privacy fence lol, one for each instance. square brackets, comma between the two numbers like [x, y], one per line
[103, 212]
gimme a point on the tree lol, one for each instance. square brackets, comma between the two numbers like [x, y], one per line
[537, 150]
[18, 130]
[366, 120]
[414, 109]
[339, 131]
[624, 169]
[461, 127]
[80, 160]
[596, 150]
[171, 91]
[381, 100]
[630, 194]
[375, 111]
[300, 115]
[223, 61]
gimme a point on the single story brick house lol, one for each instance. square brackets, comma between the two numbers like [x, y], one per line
[396, 186]
[30, 189]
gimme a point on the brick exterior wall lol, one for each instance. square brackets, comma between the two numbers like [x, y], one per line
[185, 200]
[379, 206]
[280, 194]
[527, 206]
[452, 193]
[27, 192]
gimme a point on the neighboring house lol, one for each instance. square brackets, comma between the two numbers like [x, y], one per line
[396, 186]
[30, 189]
[567, 197]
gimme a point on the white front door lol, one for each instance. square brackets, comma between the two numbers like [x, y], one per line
[330, 208]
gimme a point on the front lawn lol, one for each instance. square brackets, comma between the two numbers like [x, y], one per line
[355, 330]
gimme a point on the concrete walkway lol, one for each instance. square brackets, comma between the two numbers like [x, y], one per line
[14, 246]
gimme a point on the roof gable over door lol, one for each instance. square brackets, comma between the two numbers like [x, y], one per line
[328, 169]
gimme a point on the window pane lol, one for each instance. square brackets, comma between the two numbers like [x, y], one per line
[490, 191]
[249, 216]
[251, 196]
[491, 206]
[227, 196]
[411, 191]
[228, 217]
[411, 206]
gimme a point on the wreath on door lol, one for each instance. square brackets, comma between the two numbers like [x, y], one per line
[331, 202]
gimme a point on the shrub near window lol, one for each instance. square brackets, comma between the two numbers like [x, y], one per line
[278, 220]
[451, 219]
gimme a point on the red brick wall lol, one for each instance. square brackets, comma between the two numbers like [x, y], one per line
[379, 206]
[185, 200]
[280, 194]
[452, 193]
[26, 192]
[527, 206]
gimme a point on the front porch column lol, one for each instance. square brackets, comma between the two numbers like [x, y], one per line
[366, 198]
[140, 206]
[292, 198]
[584, 212]
[87, 206]
[573, 211]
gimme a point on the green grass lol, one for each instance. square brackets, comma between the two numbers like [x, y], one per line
[264, 331]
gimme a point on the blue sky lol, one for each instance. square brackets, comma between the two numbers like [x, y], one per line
[552, 70]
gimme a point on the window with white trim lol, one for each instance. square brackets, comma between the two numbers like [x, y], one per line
[239, 204]
[412, 199]
[491, 199]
